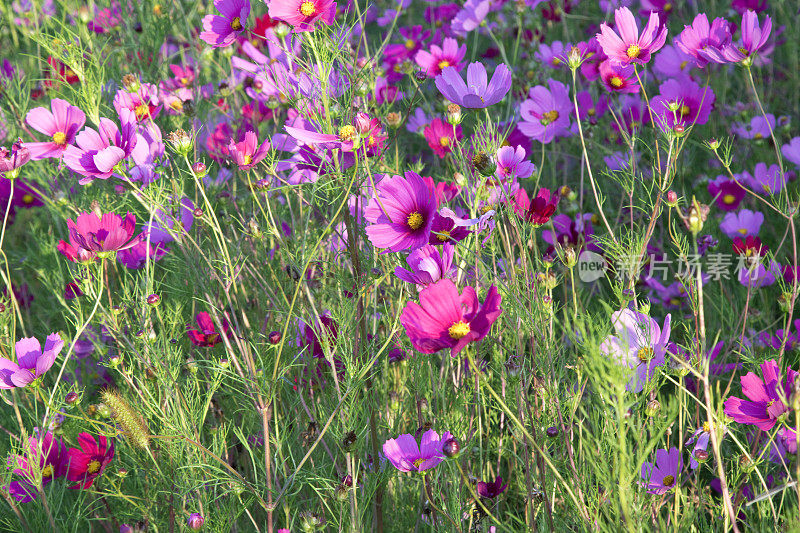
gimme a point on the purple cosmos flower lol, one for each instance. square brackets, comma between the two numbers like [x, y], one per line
[61, 125]
[673, 62]
[546, 113]
[754, 37]
[618, 78]
[791, 151]
[248, 153]
[743, 223]
[49, 452]
[401, 213]
[552, 55]
[491, 489]
[640, 344]
[704, 42]
[448, 55]
[765, 178]
[165, 219]
[471, 16]
[136, 256]
[11, 161]
[727, 193]
[407, 456]
[682, 103]
[570, 233]
[767, 397]
[629, 46]
[512, 163]
[759, 127]
[31, 363]
[662, 477]
[476, 93]
[700, 439]
[98, 152]
[757, 275]
[222, 30]
[428, 265]
[791, 338]
[102, 234]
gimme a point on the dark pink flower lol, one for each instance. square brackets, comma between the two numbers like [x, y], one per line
[98, 152]
[401, 213]
[60, 125]
[448, 55]
[206, 333]
[222, 30]
[618, 78]
[629, 46]
[88, 462]
[705, 42]
[442, 136]
[103, 234]
[446, 319]
[767, 397]
[248, 153]
[303, 14]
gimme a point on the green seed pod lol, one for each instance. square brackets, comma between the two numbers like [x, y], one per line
[132, 424]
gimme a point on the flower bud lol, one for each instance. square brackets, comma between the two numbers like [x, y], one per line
[153, 300]
[672, 199]
[701, 456]
[348, 441]
[785, 302]
[484, 164]
[131, 83]
[570, 257]
[195, 521]
[454, 114]
[451, 448]
[72, 398]
[103, 410]
[198, 213]
[394, 119]
[653, 407]
[275, 337]
[200, 169]
[281, 30]
[363, 123]
[310, 521]
[180, 142]
[342, 493]
[713, 144]
[552, 431]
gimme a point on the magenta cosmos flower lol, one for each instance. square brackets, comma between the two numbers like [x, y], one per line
[11, 161]
[223, 29]
[662, 477]
[50, 454]
[477, 92]
[88, 462]
[704, 41]
[31, 363]
[303, 14]
[442, 136]
[206, 334]
[629, 46]
[61, 125]
[248, 153]
[618, 78]
[448, 55]
[767, 397]
[408, 456]
[682, 103]
[446, 319]
[640, 344]
[401, 213]
[754, 37]
[545, 114]
[428, 265]
[104, 234]
[98, 152]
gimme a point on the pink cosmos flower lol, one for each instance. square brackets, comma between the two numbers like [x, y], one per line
[61, 125]
[401, 213]
[629, 46]
[303, 14]
[618, 78]
[407, 456]
[448, 55]
[143, 101]
[767, 397]
[88, 462]
[442, 136]
[221, 30]
[248, 153]
[31, 363]
[754, 37]
[98, 152]
[103, 234]
[704, 42]
[476, 93]
[446, 319]
[11, 161]
[428, 265]
[546, 113]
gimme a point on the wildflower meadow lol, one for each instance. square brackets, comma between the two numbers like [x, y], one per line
[293, 266]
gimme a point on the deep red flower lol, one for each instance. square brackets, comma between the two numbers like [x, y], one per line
[88, 462]
[542, 207]
[749, 247]
[206, 334]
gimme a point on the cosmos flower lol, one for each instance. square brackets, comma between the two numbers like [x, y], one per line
[446, 319]
[682, 103]
[767, 397]
[791, 151]
[758, 128]
[223, 29]
[703, 41]
[50, 454]
[475, 93]
[629, 46]
[143, 102]
[673, 62]
[442, 136]
[98, 152]
[618, 78]
[546, 113]
[32, 362]
[662, 477]
[428, 265]
[102, 234]
[407, 456]
[768, 179]
[553, 54]
[542, 207]
[401, 213]
[743, 223]
[491, 489]
[248, 153]
[448, 55]
[727, 193]
[303, 14]
[512, 163]
[754, 37]
[60, 125]
[444, 229]
[206, 334]
[640, 344]
[312, 336]
[11, 161]
[88, 462]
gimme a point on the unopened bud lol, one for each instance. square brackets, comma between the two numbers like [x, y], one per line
[672, 199]
[451, 448]
[454, 114]
[653, 407]
[552, 431]
[200, 169]
[484, 164]
[275, 337]
[393, 119]
[153, 300]
[195, 521]
[701, 456]
[72, 398]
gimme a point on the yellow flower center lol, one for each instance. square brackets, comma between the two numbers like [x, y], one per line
[177, 105]
[758, 136]
[141, 110]
[347, 132]
[458, 330]
[645, 354]
[47, 471]
[236, 24]
[669, 481]
[308, 9]
[60, 138]
[443, 64]
[685, 110]
[706, 426]
[184, 81]
[743, 231]
[616, 82]
[634, 51]
[415, 220]
[729, 199]
[418, 462]
[591, 112]
[667, 7]
[549, 117]
[410, 44]
[27, 199]
[443, 235]
[683, 64]
[248, 159]
[444, 141]
[93, 466]
[556, 61]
